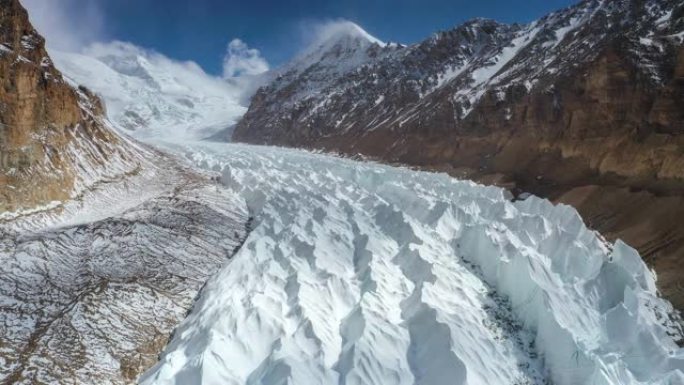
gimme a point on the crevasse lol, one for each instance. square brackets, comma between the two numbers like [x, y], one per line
[359, 273]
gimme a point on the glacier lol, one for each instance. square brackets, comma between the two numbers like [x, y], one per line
[361, 273]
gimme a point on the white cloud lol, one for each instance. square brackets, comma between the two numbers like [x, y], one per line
[67, 24]
[240, 60]
[330, 29]
[313, 33]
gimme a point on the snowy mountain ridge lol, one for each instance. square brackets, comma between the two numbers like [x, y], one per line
[150, 95]
[340, 46]
[104, 241]
[368, 85]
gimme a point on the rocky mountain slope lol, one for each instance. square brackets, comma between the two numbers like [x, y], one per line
[95, 301]
[104, 243]
[54, 144]
[582, 106]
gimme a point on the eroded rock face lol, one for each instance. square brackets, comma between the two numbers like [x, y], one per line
[53, 143]
[590, 96]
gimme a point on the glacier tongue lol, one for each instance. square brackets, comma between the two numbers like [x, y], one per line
[359, 273]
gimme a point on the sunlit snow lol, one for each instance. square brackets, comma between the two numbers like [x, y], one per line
[358, 273]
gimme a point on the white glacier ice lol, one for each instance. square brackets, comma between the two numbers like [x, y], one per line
[359, 273]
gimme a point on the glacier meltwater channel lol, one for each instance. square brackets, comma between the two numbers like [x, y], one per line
[359, 273]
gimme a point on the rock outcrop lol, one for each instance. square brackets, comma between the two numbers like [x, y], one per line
[54, 143]
[583, 106]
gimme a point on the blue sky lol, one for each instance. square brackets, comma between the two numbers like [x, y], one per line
[199, 30]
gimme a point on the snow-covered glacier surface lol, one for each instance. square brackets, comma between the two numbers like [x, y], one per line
[358, 273]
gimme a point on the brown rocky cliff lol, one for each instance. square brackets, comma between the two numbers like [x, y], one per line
[48, 128]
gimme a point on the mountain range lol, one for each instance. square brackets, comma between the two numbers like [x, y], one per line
[583, 106]
[136, 247]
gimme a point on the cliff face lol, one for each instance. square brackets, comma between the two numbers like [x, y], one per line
[583, 106]
[53, 141]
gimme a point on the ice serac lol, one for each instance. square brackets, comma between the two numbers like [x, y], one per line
[358, 273]
[54, 143]
[582, 106]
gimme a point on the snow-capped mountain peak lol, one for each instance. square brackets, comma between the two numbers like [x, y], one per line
[345, 30]
[122, 57]
[149, 94]
[337, 48]
[439, 82]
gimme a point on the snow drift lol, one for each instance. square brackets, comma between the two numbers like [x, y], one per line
[359, 273]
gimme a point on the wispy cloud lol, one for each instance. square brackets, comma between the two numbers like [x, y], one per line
[67, 25]
[314, 32]
[240, 60]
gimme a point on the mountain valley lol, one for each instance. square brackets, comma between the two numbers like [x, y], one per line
[495, 204]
